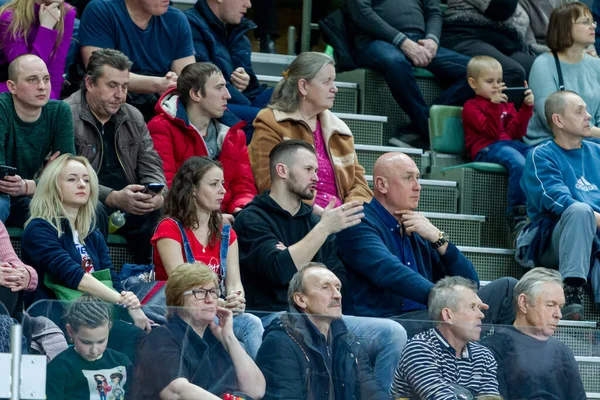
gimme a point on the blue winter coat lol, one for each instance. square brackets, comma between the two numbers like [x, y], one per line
[226, 47]
[294, 368]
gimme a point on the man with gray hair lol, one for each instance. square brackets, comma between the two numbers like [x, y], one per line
[538, 298]
[309, 352]
[445, 360]
[561, 180]
[113, 136]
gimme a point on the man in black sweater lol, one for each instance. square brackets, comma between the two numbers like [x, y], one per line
[278, 235]
[392, 37]
[531, 363]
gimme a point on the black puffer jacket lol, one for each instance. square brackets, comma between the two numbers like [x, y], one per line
[294, 368]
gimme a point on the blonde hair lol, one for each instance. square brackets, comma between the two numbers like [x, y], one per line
[23, 18]
[47, 200]
[307, 65]
[479, 64]
[185, 277]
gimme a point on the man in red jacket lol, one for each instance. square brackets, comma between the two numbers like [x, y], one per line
[190, 122]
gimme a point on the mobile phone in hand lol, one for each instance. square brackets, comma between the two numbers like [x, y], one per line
[153, 188]
[7, 170]
[516, 95]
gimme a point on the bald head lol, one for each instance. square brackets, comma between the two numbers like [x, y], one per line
[23, 64]
[566, 115]
[395, 177]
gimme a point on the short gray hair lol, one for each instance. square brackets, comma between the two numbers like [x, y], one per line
[444, 295]
[307, 65]
[556, 103]
[112, 58]
[531, 283]
[297, 282]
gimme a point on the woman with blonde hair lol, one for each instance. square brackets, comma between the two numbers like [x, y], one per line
[60, 238]
[40, 27]
[299, 109]
[199, 358]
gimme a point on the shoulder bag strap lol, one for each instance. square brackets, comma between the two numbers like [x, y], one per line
[561, 83]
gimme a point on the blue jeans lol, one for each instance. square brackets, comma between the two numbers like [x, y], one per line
[248, 329]
[383, 341]
[74, 47]
[396, 69]
[248, 113]
[511, 155]
[14, 211]
[4, 207]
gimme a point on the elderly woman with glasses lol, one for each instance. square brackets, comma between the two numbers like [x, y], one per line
[192, 356]
[570, 32]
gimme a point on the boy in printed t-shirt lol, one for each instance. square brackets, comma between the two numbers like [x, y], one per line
[88, 370]
[494, 128]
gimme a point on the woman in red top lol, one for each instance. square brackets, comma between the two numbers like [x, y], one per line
[194, 201]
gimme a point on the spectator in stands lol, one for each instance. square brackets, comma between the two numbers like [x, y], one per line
[195, 361]
[539, 12]
[297, 343]
[89, 363]
[114, 138]
[495, 28]
[493, 131]
[561, 183]
[278, 234]
[570, 31]
[538, 298]
[191, 122]
[43, 28]
[392, 41]
[155, 36]
[436, 362]
[60, 240]
[193, 204]
[219, 30]
[300, 110]
[395, 256]
[15, 277]
[31, 128]
[596, 15]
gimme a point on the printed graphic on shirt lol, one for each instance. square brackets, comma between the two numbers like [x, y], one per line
[583, 184]
[86, 262]
[107, 384]
[215, 265]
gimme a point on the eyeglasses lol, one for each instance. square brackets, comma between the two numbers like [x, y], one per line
[200, 294]
[587, 22]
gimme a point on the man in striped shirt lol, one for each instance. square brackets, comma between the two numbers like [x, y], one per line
[447, 360]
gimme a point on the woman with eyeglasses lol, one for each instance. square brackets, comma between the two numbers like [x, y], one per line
[570, 31]
[192, 356]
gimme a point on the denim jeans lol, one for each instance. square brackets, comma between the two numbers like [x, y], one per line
[383, 341]
[511, 155]
[248, 329]
[19, 210]
[396, 69]
[4, 207]
[248, 113]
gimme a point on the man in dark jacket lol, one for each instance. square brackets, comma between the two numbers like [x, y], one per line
[396, 254]
[219, 32]
[392, 40]
[114, 138]
[311, 354]
[278, 235]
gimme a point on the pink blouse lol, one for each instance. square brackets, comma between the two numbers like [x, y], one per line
[326, 188]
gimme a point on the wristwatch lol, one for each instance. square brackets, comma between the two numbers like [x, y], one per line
[442, 240]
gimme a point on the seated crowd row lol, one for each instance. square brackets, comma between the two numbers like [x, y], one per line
[314, 351]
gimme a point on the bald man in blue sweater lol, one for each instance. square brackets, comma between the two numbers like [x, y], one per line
[561, 180]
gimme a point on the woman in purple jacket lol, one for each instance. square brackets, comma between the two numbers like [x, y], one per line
[40, 27]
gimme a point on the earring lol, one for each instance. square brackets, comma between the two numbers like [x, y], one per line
[304, 97]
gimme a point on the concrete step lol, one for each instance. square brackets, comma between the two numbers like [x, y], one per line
[463, 230]
[367, 155]
[436, 196]
[346, 99]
